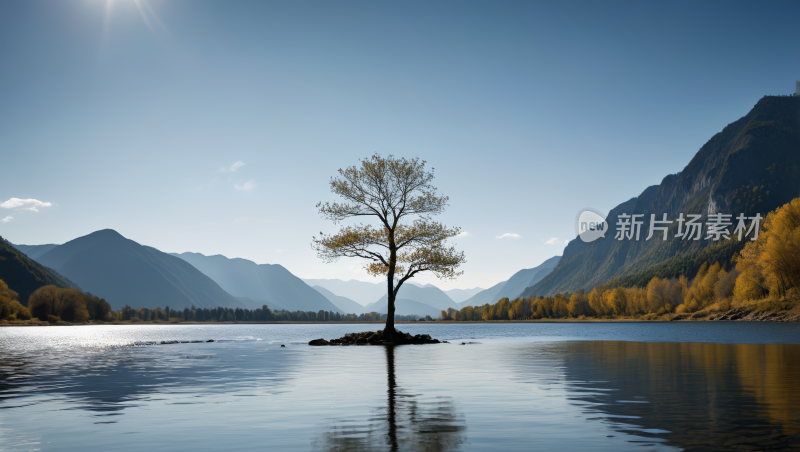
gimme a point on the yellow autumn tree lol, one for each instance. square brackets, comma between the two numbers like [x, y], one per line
[10, 307]
[596, 302]
[770, 266]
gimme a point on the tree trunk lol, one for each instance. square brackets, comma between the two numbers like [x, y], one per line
[388, 330]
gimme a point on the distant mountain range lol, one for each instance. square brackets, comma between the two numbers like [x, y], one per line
[24, 275]
[416, 299]
[429, 295]
[34, 251]
[361, 292]
[344, 304]
[126, 273]
[404, 306]
[459, 295]
[260, 283]
[514, 286]
[365, 293]
[424, 297]
[751, 166]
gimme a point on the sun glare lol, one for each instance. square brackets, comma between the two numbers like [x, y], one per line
[146, 12]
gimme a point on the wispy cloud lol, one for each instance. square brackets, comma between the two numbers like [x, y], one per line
[556, 241]
[232, 168]
[247, 186]
[463, 234]
[509, 235]
[25, 204]
[7, 219]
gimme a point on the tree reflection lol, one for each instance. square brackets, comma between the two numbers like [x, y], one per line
[406, 423]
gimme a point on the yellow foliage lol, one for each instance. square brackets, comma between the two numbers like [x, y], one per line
[702, 290]
[10, 307]
[771, 264]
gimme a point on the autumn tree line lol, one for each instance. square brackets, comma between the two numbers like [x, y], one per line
[765, 275]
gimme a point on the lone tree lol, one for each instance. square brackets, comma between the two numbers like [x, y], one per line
[391, 190]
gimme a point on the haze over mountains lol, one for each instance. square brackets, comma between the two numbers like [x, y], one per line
[404, 306]
[265, 283]
[344, 304]
[34, 251]
[428, 295]
[514, 286]
[461, 295]
[750, 167]
[361, 292]
[426, 299]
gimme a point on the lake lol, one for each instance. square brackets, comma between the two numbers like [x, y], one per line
[695, 386]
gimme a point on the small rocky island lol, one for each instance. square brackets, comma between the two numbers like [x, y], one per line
[376, 338]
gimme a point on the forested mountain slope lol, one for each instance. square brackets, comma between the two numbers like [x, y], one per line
[750, 167]
[24, 275]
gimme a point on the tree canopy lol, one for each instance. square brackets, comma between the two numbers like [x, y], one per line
[391, 191]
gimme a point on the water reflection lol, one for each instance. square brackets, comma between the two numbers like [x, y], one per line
[112, 380]
[701, 397]
[598, 396]
[407, 422]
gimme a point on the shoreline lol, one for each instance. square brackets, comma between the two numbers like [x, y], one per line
[770, 317]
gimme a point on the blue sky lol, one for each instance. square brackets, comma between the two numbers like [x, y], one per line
[133, 115]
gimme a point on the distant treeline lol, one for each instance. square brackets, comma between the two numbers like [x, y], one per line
[53, 304]
[766, 274]
[262, 314]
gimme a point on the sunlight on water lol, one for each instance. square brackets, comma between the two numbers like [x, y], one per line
[513, 387]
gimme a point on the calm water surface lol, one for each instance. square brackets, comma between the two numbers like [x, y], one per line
[599, 387]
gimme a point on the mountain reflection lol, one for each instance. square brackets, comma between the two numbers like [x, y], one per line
[405, 423]
[701, 397]
[112, 380]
